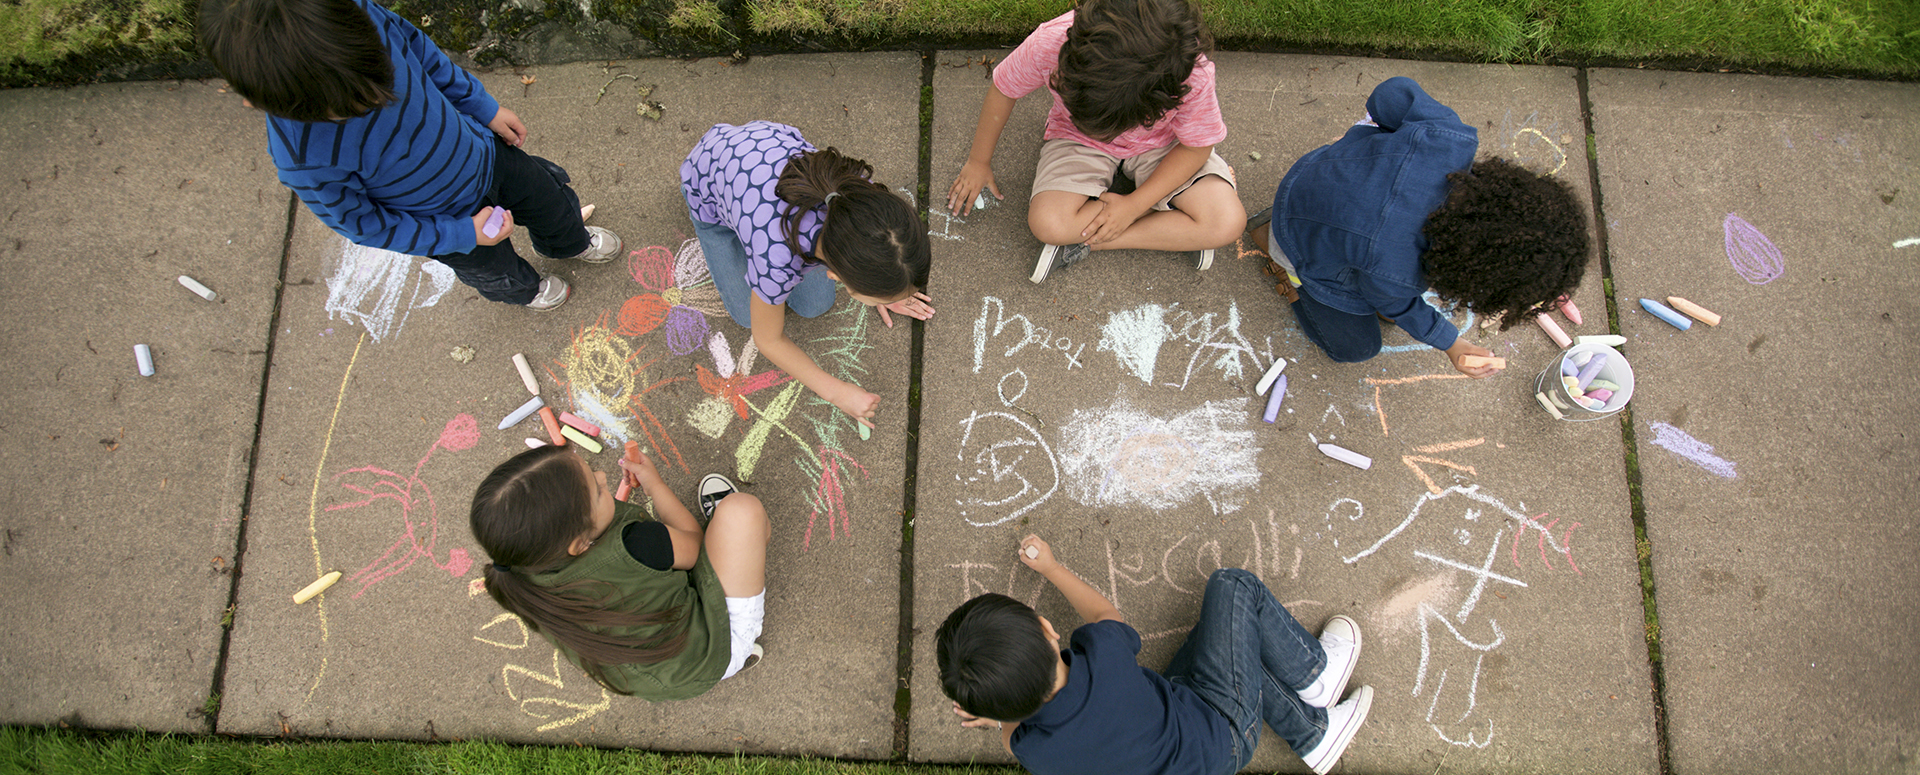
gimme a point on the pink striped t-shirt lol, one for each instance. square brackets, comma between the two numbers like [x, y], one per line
[1195, 123]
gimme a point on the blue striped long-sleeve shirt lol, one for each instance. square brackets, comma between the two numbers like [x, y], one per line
[405, 177]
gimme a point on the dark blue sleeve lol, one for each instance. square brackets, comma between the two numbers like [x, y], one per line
[1106, 638]
[1399, 101]
[1413, 315]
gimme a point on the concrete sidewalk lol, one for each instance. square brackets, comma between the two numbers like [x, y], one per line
[334, 409]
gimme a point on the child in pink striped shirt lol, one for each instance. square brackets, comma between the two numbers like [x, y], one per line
[1132, 90]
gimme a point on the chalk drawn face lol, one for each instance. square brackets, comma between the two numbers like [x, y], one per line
[1005, 468]
[602, 515]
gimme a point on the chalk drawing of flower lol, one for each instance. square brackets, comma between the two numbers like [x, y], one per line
[682, 296]
[728, 381]
[410, 493]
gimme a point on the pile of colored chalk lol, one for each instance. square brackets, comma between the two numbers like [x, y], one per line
[1579, 372]
[560, 428]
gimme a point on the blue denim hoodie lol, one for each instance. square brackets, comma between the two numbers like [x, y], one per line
[1348, 215]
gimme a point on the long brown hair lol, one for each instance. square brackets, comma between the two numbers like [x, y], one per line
[524, 516]
[869, 236]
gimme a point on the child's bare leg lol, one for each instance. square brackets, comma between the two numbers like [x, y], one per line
[1058, 217]
[1205, 216]
[736, 544]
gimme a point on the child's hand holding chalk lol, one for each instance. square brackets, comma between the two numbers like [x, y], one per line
[1035, 552]
[491, 225]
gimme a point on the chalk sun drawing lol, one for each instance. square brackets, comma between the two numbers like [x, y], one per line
[368, 285]
[682, 296]
[1753, 255]
[1006, 468]
[411, 494]
[606, 386]
[1693, 450]
[1121, 456]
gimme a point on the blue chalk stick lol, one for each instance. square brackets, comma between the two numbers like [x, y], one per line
[1273, 401]
[532, 405]
[1661, 311]
[1591, 370]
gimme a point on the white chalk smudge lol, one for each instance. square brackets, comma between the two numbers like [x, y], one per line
[1694, 450]
[368, 285]
[1134, 337]
[1122, 456]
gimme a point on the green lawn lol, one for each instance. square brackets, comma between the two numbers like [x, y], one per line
[64, 752]
[44, 38]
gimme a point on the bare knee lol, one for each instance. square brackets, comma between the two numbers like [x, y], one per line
[741, 513]
[1053, 229]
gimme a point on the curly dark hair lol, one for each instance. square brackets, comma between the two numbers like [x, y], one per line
[1506, 242]
[1125, 63]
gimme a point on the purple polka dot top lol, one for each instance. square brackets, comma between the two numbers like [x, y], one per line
[729, 179]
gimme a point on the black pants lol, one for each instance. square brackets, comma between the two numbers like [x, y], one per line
[535, 191]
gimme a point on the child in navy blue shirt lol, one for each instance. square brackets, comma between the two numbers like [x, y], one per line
[1091, 708]
[394, 147]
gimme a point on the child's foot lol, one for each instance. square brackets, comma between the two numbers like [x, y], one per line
[1343, 721]
[1204, 260]
[1341, 640]
[586, 212]
[553, 293]
[713, 489]
[1054, 258]
[602, 246]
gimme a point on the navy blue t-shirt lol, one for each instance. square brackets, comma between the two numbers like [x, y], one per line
[1115, 717]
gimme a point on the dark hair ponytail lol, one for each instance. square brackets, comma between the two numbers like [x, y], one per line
[525, 514]
[869, 236]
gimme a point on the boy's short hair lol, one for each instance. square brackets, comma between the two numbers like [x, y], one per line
[995, 661]
[304, 60]
[1125, 63]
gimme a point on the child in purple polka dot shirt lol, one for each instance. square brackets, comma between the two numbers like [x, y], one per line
[781, 221]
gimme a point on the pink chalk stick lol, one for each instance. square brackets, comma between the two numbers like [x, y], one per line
[626, 480]
[1602, 394]
[581, 425]
[1553, 330]
[494, 220]
[1572, 312]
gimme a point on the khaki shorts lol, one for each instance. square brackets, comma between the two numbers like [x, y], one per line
[1069, 166]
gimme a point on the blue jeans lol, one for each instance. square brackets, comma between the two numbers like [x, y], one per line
[727, 262]
[535, 191]
[1343, 336]
[1249, 659]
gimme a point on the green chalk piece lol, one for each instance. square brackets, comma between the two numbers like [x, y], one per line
[866, 432]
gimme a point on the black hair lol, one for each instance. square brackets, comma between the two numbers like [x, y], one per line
[1506, 242]
[304, 60]
[869, 236]
[995, 660]
[1125, 63]
[525, 515]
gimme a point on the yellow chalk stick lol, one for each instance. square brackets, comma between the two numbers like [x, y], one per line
[1694, 311]
[585, 442]
[1550, 407]
[1483, 360]
[316, 588]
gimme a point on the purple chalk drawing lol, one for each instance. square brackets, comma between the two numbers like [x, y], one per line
[1694, 450]
[1750, 252]
[686, 330]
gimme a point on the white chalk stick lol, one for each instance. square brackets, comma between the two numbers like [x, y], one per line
[1033, 552]
[526, 373]
[1550, 407]
[1347, 456]
[143, 357]
[195, 286]
[1610, 340]
[532, 405]
[533, 443]
[315, 588]
[1273, 373]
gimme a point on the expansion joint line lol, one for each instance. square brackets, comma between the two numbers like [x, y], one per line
[1643, 547]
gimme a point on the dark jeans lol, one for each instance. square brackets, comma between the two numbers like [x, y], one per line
[1249, 659]
[1343, 336]
[535, 191]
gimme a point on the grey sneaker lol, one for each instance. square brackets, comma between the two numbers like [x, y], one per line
[713, 489]
[1204, 260]
[553, 293]
[602, 246]
[1054, 258]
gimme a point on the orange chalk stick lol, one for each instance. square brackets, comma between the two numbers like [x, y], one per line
[553, 426]
[626, 480]
[1694, 311]
[1553, 330]
[1482, 360]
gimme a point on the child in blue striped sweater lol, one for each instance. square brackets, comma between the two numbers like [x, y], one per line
[394, 147]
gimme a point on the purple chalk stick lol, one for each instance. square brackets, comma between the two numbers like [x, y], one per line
[1567, 369]
[1273, 401]
[1591, 370]
[492, 227]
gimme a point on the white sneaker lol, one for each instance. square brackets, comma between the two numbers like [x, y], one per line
[602, 246]
[713, 489]
[1341, 640]
[1057, 257]
[1204, 261]
[1343, 721]
[553, 293]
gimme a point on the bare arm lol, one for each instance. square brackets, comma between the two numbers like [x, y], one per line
[1087, 601]
[682, 528]
[977, 173]
[770, 335]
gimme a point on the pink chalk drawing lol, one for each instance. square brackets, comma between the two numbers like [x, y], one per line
[733, 387]
[409, 493]
[830, 497]
[682, 298]
[1753, 255]
[1566, 544]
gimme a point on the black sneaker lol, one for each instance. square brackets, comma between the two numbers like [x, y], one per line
[713, 489]
[1056, 257]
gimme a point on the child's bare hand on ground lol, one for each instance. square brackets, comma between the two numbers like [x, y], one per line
[1042, 558]
[973, 722]
[508, 126]
[480, 226]
[1118, 216]
[917, 306]
[966, 188]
